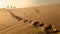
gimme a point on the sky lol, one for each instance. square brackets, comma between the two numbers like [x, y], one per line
[26, 3]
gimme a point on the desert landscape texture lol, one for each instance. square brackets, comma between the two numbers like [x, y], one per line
[47, 14]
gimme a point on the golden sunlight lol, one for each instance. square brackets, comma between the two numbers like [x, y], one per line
[26, 3]
[1, 3]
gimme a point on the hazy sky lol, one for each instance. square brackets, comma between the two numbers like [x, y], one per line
[27, 3]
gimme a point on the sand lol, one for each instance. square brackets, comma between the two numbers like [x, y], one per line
[48, 14]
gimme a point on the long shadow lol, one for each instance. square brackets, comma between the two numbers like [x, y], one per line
[15, 16]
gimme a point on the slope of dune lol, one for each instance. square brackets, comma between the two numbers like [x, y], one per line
[48, 14]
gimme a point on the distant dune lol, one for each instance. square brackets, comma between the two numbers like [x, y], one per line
[48, 14]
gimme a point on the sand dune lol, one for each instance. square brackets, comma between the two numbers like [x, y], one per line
[48, 14]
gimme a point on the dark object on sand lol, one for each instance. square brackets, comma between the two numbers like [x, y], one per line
[36, 24]
[41, 24]
[48, 29]
[25, 21]
[55, 31]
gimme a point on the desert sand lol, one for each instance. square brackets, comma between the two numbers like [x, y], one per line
[48, 14]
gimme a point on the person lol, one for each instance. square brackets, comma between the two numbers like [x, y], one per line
[7, 7]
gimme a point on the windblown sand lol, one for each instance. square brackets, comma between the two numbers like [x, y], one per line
[49, 14]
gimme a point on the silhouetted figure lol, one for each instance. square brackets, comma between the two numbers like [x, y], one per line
[36, 24]
[17, 17]
[11, 7]
[7, 7]
[48, 29]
